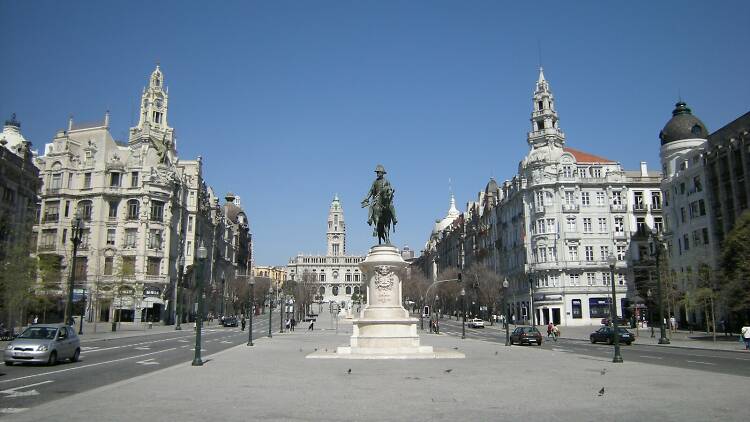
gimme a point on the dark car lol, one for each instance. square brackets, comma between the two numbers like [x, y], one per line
[622, 322]
[607, 334]
[526, 335]
[229, 321]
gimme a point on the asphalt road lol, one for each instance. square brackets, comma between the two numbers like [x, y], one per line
[720, 361]
[104, 362]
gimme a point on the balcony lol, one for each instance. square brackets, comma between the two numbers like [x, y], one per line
[538, 209]
[51, 218]
[47, 247]
[618, 207]
[640, 208]
[571, 207]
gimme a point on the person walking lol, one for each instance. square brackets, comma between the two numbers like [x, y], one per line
[243, 323]
[311, 327]
[550, 329]
[746, 335]
[555, 332]
[293, 323]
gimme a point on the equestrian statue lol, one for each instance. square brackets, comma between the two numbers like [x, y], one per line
[381, 213]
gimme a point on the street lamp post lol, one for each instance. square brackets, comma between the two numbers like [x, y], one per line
[505, 312]
[281, 303]
[75, 236]
[421, 313]
[270, 311]
[437, 315]
[463, 323]
[612, 261]
[177, 296]
[532, 312]
[657, 240]
[202, 253]
[252, 305]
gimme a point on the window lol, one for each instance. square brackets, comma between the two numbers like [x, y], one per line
[587, 225]
[67, 208]
[621, 251]
[134, 179]
[596, 172]
[133, 209]
[111, 236]
[155, 239]
[569, 198]
[48, 239]
[335, 290]
[606, 278]
[701, 207]
[616, 198]
[686, 242]
[552, 253]
[658, 224]
[189, 248]
[573, 252]
[80, 268]
[682, 214]
[112, 211]
[696, 237]
[108, 263]
[576, 309]
[542, 254]
[640, 225]
[114, 180]
[554, 280]
[85, 235]
[356, 276]
[705, 235]
[335, 249]
[656, 200]
[602, 225]
[589, 251]
[156, 117]
[571, 225]
[70, 180]
[348, 290]
[567, 171]
[56, 181]
[153, 266]
[639, 203]
[322, 277]
[157, 211]
[128, 266]
[51, 212]
[585, 199]
[348, 277]
[697, 184]
[84, 209]
[600, 198]
[590, 279]
[131, 238]
[574, 279]
[604, 250]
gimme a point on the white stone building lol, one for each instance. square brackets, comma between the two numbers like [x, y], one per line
[337, 273]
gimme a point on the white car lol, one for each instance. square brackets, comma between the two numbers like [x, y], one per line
[475, 323]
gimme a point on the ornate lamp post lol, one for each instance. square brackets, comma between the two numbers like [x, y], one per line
[505, 312]
[270, 311]
[437, 315]
[177, 291]
[657, 240]
[612, 261]
[281, 303]
[83, 311]
[532, 313]
[202, 253]
[252, 305]
[463, 323]
[421, 313]
[76, 234]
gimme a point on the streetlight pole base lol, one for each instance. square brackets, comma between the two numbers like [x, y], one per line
[197, 362]
[250, 343]
[664, 340]
[178, 328]
[617, 359]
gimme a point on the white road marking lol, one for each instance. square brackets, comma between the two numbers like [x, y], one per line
[202, 349]
[699, 362]
[650, 357]
[741, 359]
[226, 342]
[149, 361]
[183, 341]
[75, 368]
[142, 348]
[89, 348]
[13, 392]
[12, 410]
[556, 349]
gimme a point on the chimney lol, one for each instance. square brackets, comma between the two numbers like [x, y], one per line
[106, 119]
[644, 169]
[70, 123]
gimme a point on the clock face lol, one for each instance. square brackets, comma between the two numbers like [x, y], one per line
[158, 103]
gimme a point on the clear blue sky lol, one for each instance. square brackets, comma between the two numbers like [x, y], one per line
[290, 102]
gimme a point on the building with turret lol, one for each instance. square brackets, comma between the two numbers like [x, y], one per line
[336, 274]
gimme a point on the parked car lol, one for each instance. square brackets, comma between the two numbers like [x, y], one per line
[622, 322]
[607, 334]
[44, 343]
[526, 335]
[229, 321]
[475, 323]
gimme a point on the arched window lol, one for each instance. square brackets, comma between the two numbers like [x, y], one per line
[335, 290]
[356, 276]
[348, 290]
[322, 290]
[133, 209]
[84, 210]
[322, 277]
[356, 290]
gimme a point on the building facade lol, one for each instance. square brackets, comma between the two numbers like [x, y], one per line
[144, 212]
[551, 228]
[337, 273]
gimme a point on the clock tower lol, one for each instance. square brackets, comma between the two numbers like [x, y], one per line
[152, 128]
[336, 229]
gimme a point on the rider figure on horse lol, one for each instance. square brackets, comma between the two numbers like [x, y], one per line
[381, 188]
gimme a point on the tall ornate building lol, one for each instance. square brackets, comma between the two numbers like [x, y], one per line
[550, 229]
[336, 272]
[142, 210]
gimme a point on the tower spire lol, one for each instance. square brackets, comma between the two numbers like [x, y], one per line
[336, 235]
[544, 120]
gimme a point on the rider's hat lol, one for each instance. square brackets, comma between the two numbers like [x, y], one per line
[380, 169]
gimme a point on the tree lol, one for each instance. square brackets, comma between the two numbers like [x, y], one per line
[735, 263]
[17, 277]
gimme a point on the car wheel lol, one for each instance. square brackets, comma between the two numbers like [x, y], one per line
[539, 343]
[592, 340]
[52, 358]
[8, 363]
[628, 343]
[76, 355]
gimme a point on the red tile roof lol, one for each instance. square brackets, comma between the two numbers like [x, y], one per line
[585, 157]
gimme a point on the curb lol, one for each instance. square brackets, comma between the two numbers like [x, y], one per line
[666, 345]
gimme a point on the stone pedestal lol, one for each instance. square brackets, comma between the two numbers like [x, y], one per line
[384, 326]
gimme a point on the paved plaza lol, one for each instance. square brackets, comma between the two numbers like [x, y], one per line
[273, 381]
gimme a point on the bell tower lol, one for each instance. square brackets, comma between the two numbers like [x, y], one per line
[544, 120]
[336, 234]
[152, 125]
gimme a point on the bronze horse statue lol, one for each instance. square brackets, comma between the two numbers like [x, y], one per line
[383, 218]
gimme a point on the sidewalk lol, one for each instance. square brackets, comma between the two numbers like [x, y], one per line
[273, 381]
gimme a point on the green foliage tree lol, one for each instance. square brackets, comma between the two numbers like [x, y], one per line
[17, 278]
[735, 263]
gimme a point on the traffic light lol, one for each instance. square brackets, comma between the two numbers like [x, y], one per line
[426, 310]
